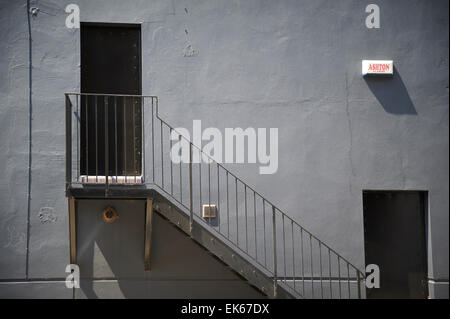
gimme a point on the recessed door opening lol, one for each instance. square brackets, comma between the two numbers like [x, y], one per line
[110, 64]
[395, 240]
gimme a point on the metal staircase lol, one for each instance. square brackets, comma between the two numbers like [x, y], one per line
[250, 234]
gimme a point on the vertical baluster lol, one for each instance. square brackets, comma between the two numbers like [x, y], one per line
[359, 283]
[246, 226]
[274, 246]
[106, 145]
[284, 249]
[237, 212]
[264, 229]
[181, 176]
[254, 216]
[329, 273]
[191, 210]
[293, 251]
[162, 154]
[228, 209]
[134, 137]
[303, 264]
[125, 169]
[312, 268]
[171, 164]
[209, 188]
[96, 141]
[284, 246]
[87, 137]
[320, 262]
[143, 134]
[200, 177]
[68, 142]
[115, 138]
[78, 123]
[218, 196]
[339, 276]
[348, 280]
[153, 140]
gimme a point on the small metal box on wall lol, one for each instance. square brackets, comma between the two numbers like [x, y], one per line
[209, 211]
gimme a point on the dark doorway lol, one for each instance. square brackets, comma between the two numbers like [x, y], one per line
[110, 65]
[395, 240]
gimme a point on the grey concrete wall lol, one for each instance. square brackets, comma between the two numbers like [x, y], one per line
[294, 65]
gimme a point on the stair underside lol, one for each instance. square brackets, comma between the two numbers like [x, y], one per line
[209, 239]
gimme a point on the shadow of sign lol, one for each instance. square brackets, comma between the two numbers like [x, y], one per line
[392, 94]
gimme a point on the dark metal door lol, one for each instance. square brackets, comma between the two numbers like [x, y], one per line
[111, 64]
[395, 240]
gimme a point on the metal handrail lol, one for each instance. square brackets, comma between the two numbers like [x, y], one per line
[278, 234]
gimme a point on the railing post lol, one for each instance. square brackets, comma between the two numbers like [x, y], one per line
[274, 243]
[68, 142]
[191, 211]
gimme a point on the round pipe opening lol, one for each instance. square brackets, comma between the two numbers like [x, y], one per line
[110, 215]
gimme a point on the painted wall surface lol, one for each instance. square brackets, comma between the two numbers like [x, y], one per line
[294, 65]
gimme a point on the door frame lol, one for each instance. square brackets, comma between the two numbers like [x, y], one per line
[138, 27]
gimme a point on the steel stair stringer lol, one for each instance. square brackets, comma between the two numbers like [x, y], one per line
[216, 244]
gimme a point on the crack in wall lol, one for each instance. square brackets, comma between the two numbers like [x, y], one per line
[350, 130]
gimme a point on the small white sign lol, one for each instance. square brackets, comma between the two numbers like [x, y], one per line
[378, 67]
